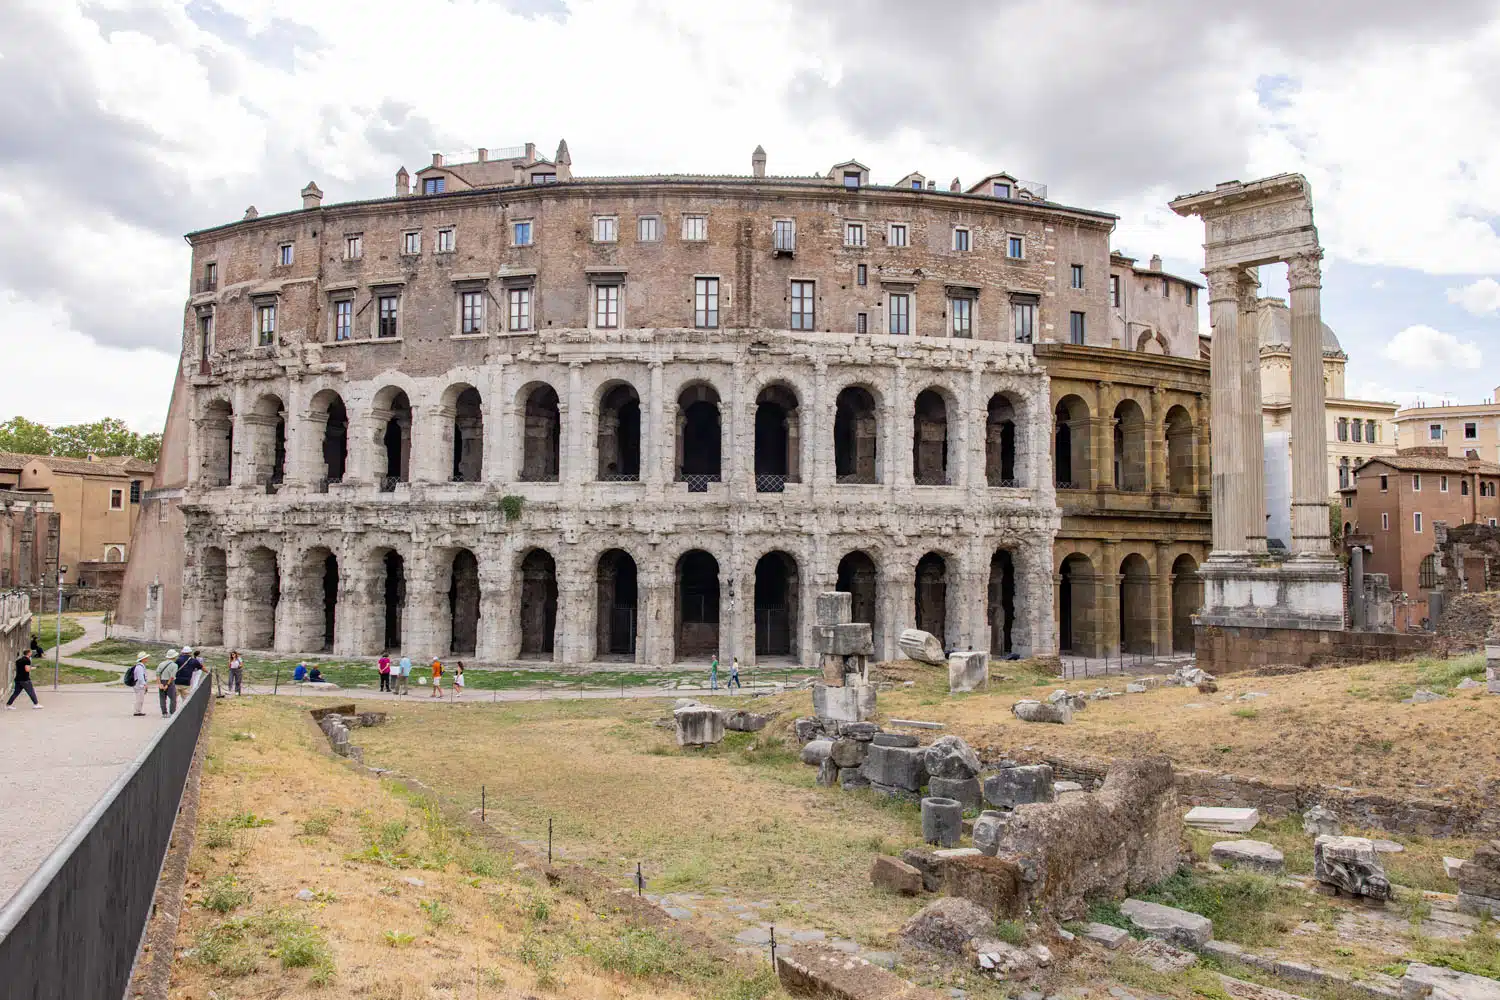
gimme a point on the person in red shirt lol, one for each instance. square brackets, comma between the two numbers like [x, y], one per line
[437, 678]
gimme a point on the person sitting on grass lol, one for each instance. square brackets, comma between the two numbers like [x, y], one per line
[315, 676]
[300, 674]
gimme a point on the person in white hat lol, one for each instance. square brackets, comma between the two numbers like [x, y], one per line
[138, 681]
[166, 683]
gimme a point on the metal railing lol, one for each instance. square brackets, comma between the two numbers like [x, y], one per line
[388, 483]
[73, 929]
[1064, 484]
[1007, 483]
[620, 477]
[930, 479]
[207, 285]
[698, 482]
[856, 478]
[766, 482]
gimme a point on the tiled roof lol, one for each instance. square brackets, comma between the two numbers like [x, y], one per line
[118, 465]
[1432, 463]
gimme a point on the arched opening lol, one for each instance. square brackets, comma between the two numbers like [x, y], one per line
[538, 605]
[929, 446]
[541, 446]
[1070, 452]
[1181, 444]
[855, 436]
[698, 440]
[114, 554]
[463, 603]
[262, 597]
[932, 596]
[468, 437]
[1077, 625]
[776, 605]
[393, 416]
[617, 602]
[778, 439]
[267, 420]
[697, 605]
[859, 578]
[213, 585]
[328, 409]
[1130, 447]
[216, 443]
[1135, 605]
[330, 588]
[393, 599]
[620, 435]
[1001, 601]
[1187, 598]
[1000, 442]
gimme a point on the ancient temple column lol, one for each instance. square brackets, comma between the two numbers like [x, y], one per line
[1228, 466]
[1309, 439]
[494, 597]
[1252, 439]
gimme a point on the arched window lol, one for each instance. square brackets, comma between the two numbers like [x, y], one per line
[1344, 472]
[1370, 431]
[1427, 577]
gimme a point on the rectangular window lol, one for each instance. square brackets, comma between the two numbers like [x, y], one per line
[854, 234]
[961, 240]
[265, 324]
[116, 499]
[861, 323]
[520, 309]
[1416, 484]
[544, 178]
[387, 309]
[285, 255]
[1075, 328]
[1434, 432]
[521, 233]
[434, 185]
[963, 317]
[1015, 247]
[1463, 487]
[1358, 429]
[1187, 294]
[1166, 288]
[803, 310]
[135, 491]
[1114, 290]
[354, 246]
[861, 275]
[900, 310]
[916, 185]
[1370, 431]
[205, 335]
[411, 243]
[1416, 522]
[784, 234]
[695, 227]
[851, 178]
[210, 276]
[1076, 275]
[1442, 484]
[606, 229]
[1343, 426]
[648, 229]
[1023, 321]
[343, 319]
[1385, 522]
[606, 307]
[1385, 483]
[444, 241]
[1001, 189]
[706, 303]
[1471, 432]
[898, 234]
[472, 312]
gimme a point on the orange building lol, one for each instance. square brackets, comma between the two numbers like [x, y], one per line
[97, 500]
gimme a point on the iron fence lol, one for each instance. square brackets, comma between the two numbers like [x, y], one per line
[698, 482]
[74, 928]
[930, 479]
[766, 482]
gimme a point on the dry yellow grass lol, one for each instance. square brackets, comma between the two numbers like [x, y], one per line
[278, 815]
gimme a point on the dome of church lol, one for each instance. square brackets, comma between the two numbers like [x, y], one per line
[1274, 320]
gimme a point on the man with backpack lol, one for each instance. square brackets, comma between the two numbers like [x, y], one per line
[166, 683]
[135, 677]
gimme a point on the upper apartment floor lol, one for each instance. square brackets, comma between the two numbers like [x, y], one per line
[1151, 310]
[1459, 429]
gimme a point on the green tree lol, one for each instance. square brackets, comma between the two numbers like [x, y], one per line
[110, 436]
[26, 437]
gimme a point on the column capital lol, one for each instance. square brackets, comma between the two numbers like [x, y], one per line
[1247, 290]
[1303, 270]
[1222, 282]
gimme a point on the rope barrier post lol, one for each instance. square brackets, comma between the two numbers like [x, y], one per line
[549, 840]
[640, 881]
[773, 946]
[276, 683]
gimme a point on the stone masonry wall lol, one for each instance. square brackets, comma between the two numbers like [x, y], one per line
[1229, 649]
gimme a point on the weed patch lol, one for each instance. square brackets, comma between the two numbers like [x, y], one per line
[224, 894]
[1242, 905]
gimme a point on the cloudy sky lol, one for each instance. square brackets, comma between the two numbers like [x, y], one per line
[126, 123]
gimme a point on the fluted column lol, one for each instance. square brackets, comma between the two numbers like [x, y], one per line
[1227, 454]
[1309, 438]
[1252, 440]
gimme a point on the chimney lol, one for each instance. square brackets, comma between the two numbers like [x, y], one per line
[403, 183]
[311, 196]
[1156, 262]
[531, 152]
[484, 155]
[437, 159]
[251, 213]
[758, 162]
[955, 186]
[517, 175]
[932, 185]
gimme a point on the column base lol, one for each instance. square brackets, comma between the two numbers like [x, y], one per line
[1255, 590]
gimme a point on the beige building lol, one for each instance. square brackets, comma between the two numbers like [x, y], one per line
[1152, 311]
[1460, 429]
[97, 499]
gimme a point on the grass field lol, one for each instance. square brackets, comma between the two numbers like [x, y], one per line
[44, 627]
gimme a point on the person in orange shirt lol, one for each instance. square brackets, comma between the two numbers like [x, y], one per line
[437, 678]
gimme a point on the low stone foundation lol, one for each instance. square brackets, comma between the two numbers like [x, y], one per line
[1226, 649]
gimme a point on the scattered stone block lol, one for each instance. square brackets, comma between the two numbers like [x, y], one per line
[684, 703]
[1225, 820]
[951, 757]
[828, 773]
[1492, 672]
[1451, 866]
[816, 752]
[1163, 957]
[1190, 930]
[897, 767]
[896, 875]
[1003, 959]
[914, 724]
[1446, 984]
[816, 970]
[1421, 697]
[1256, 855]
[847, 752]
[921, 646]
[988, 829]
[1479, 881]
[847, 639]
[1031, 710]
[1061, 787]
[926, 861]
[968, 671]
[745, 722]
[834, 607]
[966, 790]
[1320, 820]
[1134, 688]
[850, 703]
[1467, 684]
[1019, 786]
[942, 821]
[806, 730]
[996, 884]
[1106, 935]
[1386, 847]
[1349, 864]
[947, 925]
[850, 778]
[895, 792]
[862, 731]
[894, 740]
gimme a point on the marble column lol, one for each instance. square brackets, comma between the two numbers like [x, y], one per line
[1309, 439]
[1252, 435]
[1227, 453]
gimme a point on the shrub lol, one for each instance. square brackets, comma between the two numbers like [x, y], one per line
[398, 939]
[223, 894]
[247, 821]
[437, 913]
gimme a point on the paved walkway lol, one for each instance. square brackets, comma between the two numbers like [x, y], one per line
[58, 762]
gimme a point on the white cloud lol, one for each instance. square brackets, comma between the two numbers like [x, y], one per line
[1424, 348]
[1482, 298]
